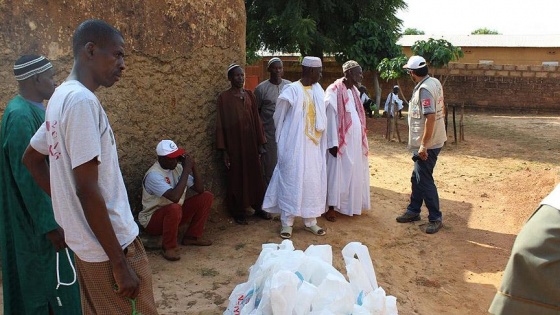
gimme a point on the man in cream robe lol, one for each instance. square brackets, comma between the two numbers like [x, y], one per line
[347, 161]
[298, 185]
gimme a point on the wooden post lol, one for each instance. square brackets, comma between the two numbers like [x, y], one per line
[461, 129]
[454, 126]
[396, 119]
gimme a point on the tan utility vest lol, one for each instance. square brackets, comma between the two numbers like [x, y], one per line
[417, 121]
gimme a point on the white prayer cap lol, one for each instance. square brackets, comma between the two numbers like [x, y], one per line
[349, 65]
[310, 61]
[395, 87]
[273, 60]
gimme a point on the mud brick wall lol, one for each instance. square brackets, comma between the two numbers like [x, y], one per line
[177, 53]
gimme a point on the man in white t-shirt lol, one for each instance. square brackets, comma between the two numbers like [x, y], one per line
[89, 197]
[164, 204]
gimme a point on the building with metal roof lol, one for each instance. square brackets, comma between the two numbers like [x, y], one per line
[498, 49]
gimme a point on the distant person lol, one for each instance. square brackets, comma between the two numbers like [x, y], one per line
[393, 98]
[348, 189]
[90, 201]
[240, 137]
[29, 235]
[426, 137]
[165, 207]
[299, 184]
[530, 284]
[267, 93]
[366, 101]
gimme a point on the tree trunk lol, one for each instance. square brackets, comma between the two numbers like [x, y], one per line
[377, 93]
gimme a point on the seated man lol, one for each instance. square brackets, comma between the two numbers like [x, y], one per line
[164, 208]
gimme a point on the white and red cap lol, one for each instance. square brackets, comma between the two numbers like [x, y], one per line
[169, 149]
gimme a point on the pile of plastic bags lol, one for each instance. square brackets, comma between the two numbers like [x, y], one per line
[286, 281]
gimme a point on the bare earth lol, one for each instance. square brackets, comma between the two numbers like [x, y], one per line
[488, 185]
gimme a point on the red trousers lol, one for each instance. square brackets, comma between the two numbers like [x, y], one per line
[167, 220]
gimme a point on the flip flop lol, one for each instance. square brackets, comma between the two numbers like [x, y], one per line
[315, 229]
[286, 232]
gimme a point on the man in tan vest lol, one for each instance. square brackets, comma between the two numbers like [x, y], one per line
[164, 207]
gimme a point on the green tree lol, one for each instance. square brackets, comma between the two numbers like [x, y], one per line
[312, 27]
[368, 42]
[413, 31]
[438, 53]
[392, 69]
[484, 31]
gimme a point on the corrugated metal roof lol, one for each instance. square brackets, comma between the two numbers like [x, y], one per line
[488, 40]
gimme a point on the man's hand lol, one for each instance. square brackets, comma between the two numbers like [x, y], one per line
[226, 160]
[187, 162]
[333, 151]
[127, 282]
[57, 238]
[423, 153]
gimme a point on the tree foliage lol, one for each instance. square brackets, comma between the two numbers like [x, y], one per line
[484, 31]
[437, 52]
[392, 69]
[368, 43]
[319, 27]
[413, 31]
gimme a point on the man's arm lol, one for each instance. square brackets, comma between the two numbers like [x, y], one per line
[332, 122]
[37, 166]
[174, 194]
[428, 131]
[95, 211]
[198, 184]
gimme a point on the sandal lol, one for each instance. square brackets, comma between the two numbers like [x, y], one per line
[315, 229]
[286, 232]
[171, 254]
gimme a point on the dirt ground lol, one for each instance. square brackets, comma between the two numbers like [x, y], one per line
[489, 185]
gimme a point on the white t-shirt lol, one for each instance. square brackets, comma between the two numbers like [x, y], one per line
[156, 184]
[76, 130]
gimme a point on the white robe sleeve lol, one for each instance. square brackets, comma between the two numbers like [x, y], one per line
[282, 107]
[332, 123]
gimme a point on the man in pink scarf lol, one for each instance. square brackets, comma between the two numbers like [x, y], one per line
[347, 158]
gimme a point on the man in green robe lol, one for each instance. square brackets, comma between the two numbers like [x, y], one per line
[29, 234]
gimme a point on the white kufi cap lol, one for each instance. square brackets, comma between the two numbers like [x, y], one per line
[314, 62]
